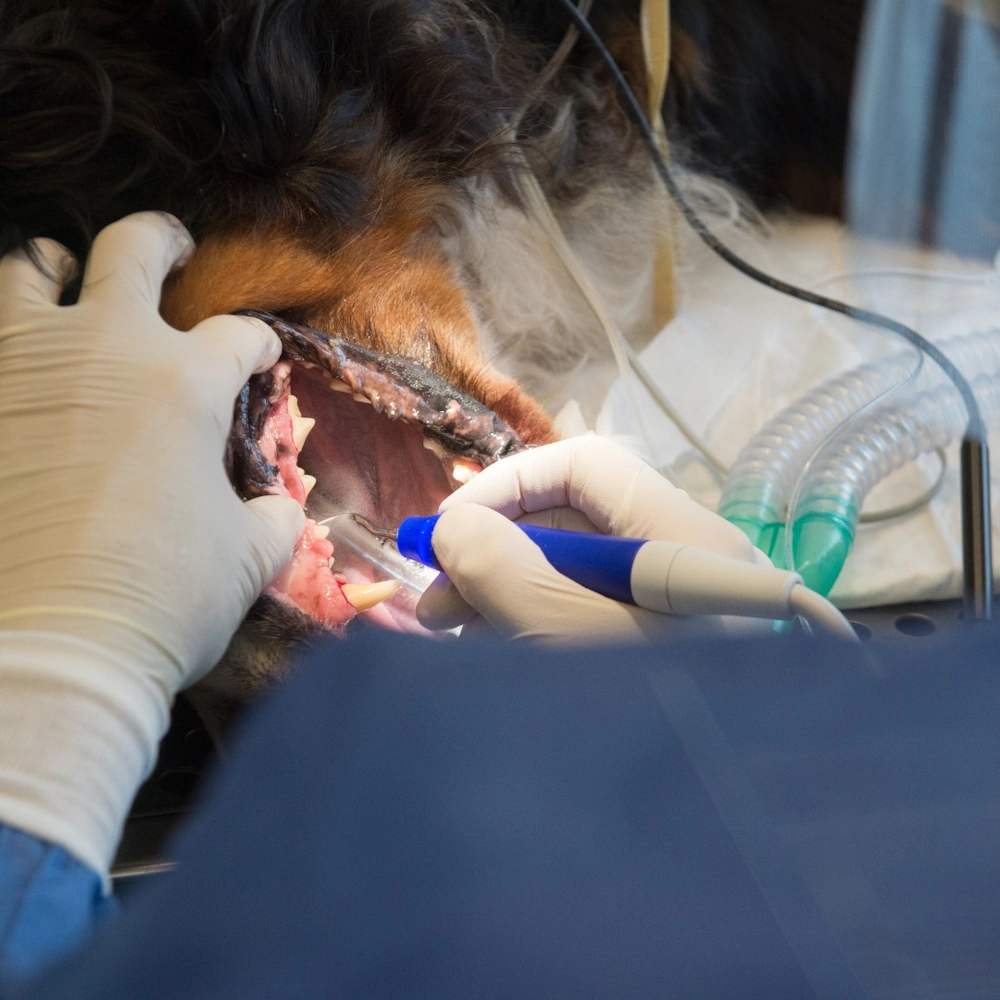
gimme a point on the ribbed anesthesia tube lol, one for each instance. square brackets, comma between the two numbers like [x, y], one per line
[846, 466]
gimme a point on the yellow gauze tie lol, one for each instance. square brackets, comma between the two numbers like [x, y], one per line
[656, 49]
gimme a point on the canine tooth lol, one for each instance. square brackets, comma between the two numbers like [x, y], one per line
[293, 407]
[362, 596]
[322, 531]
[301, 426]
[307, 481]
[462, 472]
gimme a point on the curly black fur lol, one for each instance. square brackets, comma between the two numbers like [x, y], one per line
[239, 109]
[766, 104]
[302, 111]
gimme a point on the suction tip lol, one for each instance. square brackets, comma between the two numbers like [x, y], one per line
[374, 528]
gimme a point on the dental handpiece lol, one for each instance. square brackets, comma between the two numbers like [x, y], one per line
[666, 577]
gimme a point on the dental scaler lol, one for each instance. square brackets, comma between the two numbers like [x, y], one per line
[666, 577]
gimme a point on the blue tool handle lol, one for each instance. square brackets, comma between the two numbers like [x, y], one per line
[602, 563]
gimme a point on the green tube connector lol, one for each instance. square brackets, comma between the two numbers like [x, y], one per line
[821, 543]
[821, 540]
[760, 523]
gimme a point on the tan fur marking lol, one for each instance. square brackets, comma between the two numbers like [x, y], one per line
[386, 288]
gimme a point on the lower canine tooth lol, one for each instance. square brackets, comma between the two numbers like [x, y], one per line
[362, 596]
[301, 426]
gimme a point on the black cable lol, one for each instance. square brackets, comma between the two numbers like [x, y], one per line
[976, 516]
[975, 430]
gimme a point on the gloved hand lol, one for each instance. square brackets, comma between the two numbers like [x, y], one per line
[497, 579]
[126, 559]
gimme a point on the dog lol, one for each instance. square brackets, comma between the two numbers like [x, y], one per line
[352, 169]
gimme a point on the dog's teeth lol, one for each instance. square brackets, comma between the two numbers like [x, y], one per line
[293, 407]
[338, 386]
[463, 472]
[301, 426]
[435, 446]
[362, 596]
[307, 481]
[322, 531]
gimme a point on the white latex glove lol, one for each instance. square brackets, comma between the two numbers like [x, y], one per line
[495, 576]
[126, 559]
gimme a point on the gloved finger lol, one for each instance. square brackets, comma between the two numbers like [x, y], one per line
[276, 525]
[33, 277]
[130, 259]
[619, 493]
[236, 348]
[479, 628]
[501, 573]
[563, 518]
[442, 607]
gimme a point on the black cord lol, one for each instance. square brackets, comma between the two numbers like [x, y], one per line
[976, 529]
[975, 430]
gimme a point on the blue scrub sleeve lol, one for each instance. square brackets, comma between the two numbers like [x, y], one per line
[49, 904]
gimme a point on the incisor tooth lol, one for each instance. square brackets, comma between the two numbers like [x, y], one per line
[301, 426]
[362, 596]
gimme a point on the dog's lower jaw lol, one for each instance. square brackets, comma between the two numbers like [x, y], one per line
[260, 655]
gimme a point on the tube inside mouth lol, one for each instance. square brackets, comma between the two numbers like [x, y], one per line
[342, 429]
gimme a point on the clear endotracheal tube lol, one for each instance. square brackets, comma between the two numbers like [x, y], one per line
[353, 545]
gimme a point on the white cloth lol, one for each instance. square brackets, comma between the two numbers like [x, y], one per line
[126, 559]
[737, 353]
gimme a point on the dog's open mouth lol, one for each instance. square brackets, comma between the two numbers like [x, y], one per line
[340, 429]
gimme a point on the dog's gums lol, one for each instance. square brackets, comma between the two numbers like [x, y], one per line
[380, 435]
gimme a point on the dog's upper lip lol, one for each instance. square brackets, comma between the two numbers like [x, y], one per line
[402, 390]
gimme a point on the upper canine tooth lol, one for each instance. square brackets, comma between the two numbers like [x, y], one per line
[463, 472]
[301, 426]
[362, 596]
[307, 481]
[293, 407]
[322, 531]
